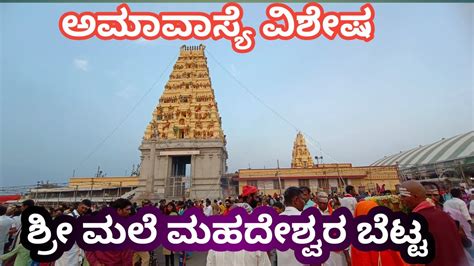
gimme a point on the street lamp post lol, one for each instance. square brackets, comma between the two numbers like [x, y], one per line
[92, 187]
[278, 175]
[319, 158]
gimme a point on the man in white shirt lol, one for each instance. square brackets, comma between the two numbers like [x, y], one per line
[208, 208]
[5, 227]
[294, 204]
[75, 256]
[349, 201]
[16, 226]
[322, 203]
[336, 258]
[458, 204]
[241, 257]
[17, 221]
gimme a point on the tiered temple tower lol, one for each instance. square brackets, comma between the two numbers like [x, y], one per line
[301, 158]
[183, 149]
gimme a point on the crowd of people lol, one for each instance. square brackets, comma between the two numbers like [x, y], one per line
[448, 216]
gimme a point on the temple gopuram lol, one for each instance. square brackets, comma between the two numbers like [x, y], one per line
[301, 157]
[184, 148]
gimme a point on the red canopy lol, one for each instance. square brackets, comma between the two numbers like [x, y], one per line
[5, 198]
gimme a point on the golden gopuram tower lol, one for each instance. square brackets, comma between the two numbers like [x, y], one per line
[301, 158]
[183, 150]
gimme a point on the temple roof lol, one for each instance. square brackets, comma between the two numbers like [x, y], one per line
[457, 147]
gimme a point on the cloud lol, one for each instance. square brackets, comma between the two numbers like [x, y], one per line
[81, 64]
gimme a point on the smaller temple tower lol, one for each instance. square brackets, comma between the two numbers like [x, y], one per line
[301, 158]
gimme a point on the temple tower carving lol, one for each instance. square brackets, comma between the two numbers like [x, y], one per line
[301, 157]
[183, 151]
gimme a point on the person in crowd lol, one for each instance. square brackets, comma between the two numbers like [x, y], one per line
[336, 258]
[75, 256]
[215, 208]
[228, 205]
[433, 193]
[56, 213]
[241, 257]
[447, 190]
[322, 203]
[26, 204]
[6, 224]
[265, 202]
[458, 204]
[250, 196]
[349, 201]
[271, 201]
[208, 208]
[373, 258]
[135, 208]
[294, 205]
[63, 207]
[448, 246]
[465, 195]
[278, 207]
[307, 197]
[471, 206]
[19, 254]
[13, 212]
[17, 222]
[123, 208]
[16, 216]
[70, 208]
[334, 202]
[162, 206]
[169, 255]
[10, 210]
[201, 205]
[222, 207]
[463, 226]
[141, 257]
[181, 207]
[189, 204]
[272, 254]
[146, 203]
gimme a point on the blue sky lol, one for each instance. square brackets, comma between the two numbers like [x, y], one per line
[412, 85]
